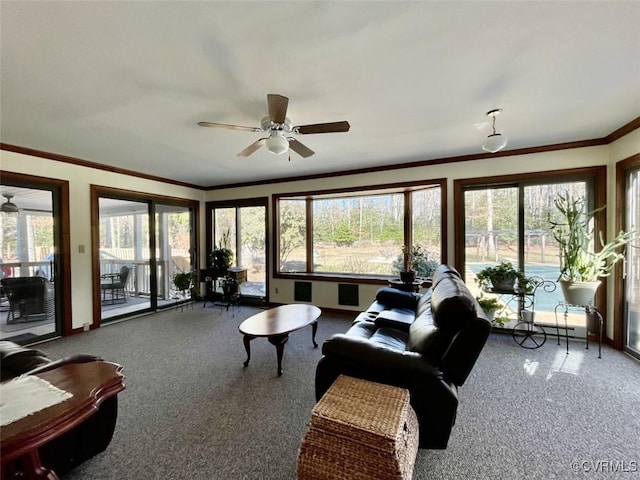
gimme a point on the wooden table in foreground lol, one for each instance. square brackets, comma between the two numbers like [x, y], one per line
[276, 324]
[90, 383]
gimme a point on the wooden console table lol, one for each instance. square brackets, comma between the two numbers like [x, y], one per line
[90, 383]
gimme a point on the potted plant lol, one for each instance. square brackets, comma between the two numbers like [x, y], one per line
[414, 262]
[184, 281]
[581, 268]
[490, 305]
[221, 258]
[503, 278]
[230, 286]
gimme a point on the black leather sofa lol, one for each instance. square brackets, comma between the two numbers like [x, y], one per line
[425, 343]
[89, 438]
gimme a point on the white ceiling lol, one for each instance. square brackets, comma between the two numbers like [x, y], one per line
[124, 83]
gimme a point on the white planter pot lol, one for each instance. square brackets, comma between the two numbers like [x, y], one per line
[579, 293]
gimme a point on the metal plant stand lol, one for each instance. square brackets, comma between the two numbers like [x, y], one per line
[589, 310]
[526, 332]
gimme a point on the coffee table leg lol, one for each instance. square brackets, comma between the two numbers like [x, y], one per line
[278, 341]
[246, 339]
[314, 327]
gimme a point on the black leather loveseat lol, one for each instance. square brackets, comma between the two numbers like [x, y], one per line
[86, 440]
[425, 343]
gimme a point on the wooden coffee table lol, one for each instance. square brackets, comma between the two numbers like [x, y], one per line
[276, 324]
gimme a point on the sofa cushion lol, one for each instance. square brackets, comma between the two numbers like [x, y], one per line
[392, 297]
[424, 303]
[444, 271]
[390, 338]
[452, 304]
[396, 318]
[427, 339]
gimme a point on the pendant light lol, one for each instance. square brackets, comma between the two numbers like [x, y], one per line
[496, 141]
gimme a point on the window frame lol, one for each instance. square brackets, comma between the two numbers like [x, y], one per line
[595, 176]
[406, 188]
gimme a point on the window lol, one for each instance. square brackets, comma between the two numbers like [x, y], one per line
[241, 226]
[357, 234]
[508, 219]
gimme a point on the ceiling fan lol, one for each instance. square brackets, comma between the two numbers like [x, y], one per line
[279, 128]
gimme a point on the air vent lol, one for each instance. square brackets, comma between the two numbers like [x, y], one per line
[348, 294]
[302, 291]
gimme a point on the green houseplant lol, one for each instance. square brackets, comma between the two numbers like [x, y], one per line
[580, 267]
[503, 277]
[490, 305]
[230, 286]
[221, 257]
[414, 262]
[184, 281]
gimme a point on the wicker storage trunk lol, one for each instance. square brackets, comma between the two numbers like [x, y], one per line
[360, 430]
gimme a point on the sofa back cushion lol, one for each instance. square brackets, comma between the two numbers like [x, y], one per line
[426, 339]
[451, 334]
[452, 304]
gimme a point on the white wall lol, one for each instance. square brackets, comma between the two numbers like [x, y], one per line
[325, 294]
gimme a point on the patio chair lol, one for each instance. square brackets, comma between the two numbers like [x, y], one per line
[30, 298]
[115, 285]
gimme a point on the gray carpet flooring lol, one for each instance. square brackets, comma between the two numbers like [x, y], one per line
[191, 411]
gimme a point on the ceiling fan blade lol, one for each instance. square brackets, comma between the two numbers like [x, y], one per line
[323, 128]
[277, 107]
[252, 148]
[300, 148]
[231, 127]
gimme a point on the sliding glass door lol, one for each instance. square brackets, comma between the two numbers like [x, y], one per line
[174, 251]
[142, 242]
[125, 268]
[32, 282]
[632, 281]
[510, 222]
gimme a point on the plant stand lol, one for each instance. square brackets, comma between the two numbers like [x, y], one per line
[526, 333]
[589, 310]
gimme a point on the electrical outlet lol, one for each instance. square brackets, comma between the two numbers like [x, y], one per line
[80, 248]
[277, 290]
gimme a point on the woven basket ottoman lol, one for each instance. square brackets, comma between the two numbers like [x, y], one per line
[360, 430]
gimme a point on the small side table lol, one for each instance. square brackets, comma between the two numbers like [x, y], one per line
[414, 286]
[589, 310]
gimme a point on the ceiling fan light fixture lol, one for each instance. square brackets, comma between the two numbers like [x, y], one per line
[8, 206]
[277, 144]
[496, 141]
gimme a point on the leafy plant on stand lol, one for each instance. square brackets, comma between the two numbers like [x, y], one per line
[575, 237]
[229, 285]
[221, 258]
[415, 259]
[184, 281]
[490, 305]
[504, 277]
[580, 267]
